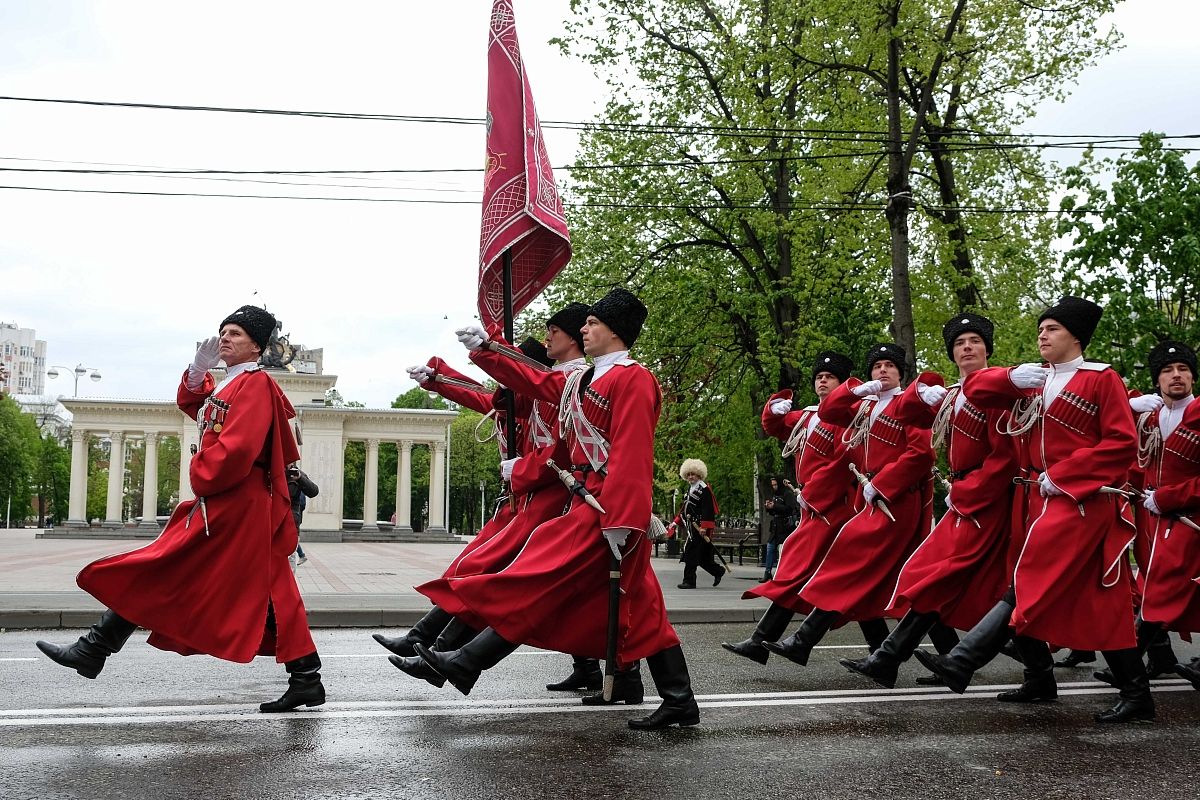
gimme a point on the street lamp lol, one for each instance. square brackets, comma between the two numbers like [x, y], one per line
[80, 370]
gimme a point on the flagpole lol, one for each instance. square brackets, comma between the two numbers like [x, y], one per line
[510, 400]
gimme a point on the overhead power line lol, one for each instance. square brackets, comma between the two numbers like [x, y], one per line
[817, 134]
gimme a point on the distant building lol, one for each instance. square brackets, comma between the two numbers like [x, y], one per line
[22, 360]
[51, 416]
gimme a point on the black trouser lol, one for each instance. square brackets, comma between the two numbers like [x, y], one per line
[700, 553]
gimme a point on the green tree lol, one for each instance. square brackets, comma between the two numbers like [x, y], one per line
[1135, 248]
[20, 447]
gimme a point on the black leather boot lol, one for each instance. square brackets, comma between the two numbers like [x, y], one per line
[1039, 685]
[977, 647]
[585, 674]
[874, 632]
[1190, 672]
[669, 671]
[88, 654]
[453, 636]
[883, 664]
[425, 632]
[771, 626]
[1135, 703]
[462, 667]
[1160, 656]
[1077, 657]
[767, 576]
[799, 645]
[1150, 640]
[627, 688]
[304, 686]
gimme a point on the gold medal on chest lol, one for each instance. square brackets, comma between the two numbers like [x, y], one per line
[216, 428]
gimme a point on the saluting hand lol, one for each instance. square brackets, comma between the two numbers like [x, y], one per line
[781, 406]
[1147, 402]
[420, 374]
[472, 337]
[208, 354]
[869, 387]
[931, 395]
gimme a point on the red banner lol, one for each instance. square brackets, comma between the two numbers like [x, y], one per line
[521, 206]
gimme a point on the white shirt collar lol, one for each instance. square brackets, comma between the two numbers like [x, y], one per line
[1171, 414]
[602, 364]
[885, 397]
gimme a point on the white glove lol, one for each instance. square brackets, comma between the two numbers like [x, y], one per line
[472, 337]
[781, 406]
[1048, 488]
[1029, 376]
[615, 538]
[420, 374]
[949, 502]
[208, 354]
[1149, 503]
[506, 468]
[931, 395]
[1147, 402]
[800, 501]
[870, 387]
[870, 493]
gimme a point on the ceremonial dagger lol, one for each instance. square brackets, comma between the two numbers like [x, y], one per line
[572, 483]
[937, 474]
[879, 502]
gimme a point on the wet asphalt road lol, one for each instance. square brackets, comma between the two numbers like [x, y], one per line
[156, 725]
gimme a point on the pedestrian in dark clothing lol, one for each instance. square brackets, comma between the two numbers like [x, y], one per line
[782, 508]
[301, 487]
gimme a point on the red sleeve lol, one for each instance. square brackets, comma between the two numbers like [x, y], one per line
[189, 402]
[776, 424]
[911, 468]
[1108, 461]
[478, 400]
[530, 473]
[228, 456]
[909, 409]
[981, 487]
[626, 494]
[521, 378]
[991, 387]
[840, 406]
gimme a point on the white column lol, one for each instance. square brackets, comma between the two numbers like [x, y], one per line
[371, 487]
[116, 480]
[437, 487]
[189, 436]
[404, 486]
[150, 483]
[77, 513]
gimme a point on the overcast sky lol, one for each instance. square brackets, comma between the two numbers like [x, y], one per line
[127, 284]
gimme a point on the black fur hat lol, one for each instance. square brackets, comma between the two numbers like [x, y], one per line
[536, 350]
[258, 323]
[966, 322]
[834, 363]
[570, 319]
[623, 312]
[887, 351]
[1077, 315]
[1170, 352]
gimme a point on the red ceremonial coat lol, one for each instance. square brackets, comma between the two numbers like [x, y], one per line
[482, 401]
[962, 569]
[1171, 595]
[205, 587]
[539, 496]
[858, 573]
[827, 487]
[554, 595]
[1071, 582]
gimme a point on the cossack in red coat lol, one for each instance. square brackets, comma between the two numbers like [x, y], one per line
[1071, 580]
[1171, 595]
[539, 496]
[962, 568]
[858, 574]
[554, 595]
[827, 486]
[204, 588]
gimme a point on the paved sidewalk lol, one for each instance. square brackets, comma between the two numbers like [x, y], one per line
[345, 584]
